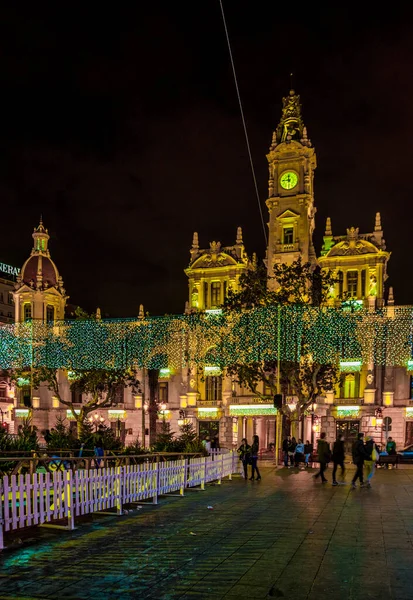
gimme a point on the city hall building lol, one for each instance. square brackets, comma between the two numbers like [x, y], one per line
[370, 398]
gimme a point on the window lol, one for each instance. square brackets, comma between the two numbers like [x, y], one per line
[76, 397]
[340, 278]
[49, 313]
[10, 298]
[288, 237]
[26, 396]
[363, 283]
[225, 289]
[3, 391]
[27, 311]
[215, 293]
[349, 385]
[163, 392]
[1, 297]
[9, 314]
[411, 387]
[119, 394]
[213, 387]
[352, 279]
[267, 390]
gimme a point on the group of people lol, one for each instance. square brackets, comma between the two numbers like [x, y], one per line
[209, 444]
[365, 454]
[249, 456]
[296, 452]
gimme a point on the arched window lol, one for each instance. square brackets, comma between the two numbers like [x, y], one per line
[49, 313]
[27, 311]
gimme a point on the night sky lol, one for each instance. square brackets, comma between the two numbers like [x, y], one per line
[121, 127]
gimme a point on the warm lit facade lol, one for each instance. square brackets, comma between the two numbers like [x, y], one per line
[205, 395]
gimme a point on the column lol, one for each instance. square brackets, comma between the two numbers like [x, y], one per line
[250, 429]
[359, 291]
[240, 430]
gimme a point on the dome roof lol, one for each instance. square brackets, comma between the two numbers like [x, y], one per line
[36, 264]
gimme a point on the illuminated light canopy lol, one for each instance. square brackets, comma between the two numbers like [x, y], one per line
[212, 370]
[116, 414]
[410, 365]
[22, 382]
[22, 413]
[238, 410]
[164, 372]
[209, 412]
[330, 334]
[69, 414]
[350, 365]
[409, 412]
[214, 311]
[351, 412]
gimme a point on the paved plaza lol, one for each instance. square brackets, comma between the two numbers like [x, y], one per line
[283, 537]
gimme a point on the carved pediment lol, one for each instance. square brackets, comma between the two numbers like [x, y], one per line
[213, 259]
[288, 214]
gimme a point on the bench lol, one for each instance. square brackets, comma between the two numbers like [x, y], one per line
[388, 459]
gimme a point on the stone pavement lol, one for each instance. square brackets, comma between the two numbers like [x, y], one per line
[283, 537]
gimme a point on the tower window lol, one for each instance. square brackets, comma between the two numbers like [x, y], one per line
[213, 387]
[27, 311]
[352, 280]
[49, 313]
[288, 235]
[215, 294]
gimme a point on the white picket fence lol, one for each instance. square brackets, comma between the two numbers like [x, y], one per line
[47, 498]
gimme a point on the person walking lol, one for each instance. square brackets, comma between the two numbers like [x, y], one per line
[207, 444]
[244, 455]
[372, 456]
[308, 450]
[285, 446]
[323, 453]
[254, 457]
[338, 457]
[359, 455]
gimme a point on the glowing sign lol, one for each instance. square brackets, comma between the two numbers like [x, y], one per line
[8, 269]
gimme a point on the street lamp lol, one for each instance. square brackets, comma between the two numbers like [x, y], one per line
[96, 420]
[379, 416]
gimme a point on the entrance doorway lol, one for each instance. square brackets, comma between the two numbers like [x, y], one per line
[350, 430]
[208, 428]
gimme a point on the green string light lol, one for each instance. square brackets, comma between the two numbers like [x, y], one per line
[331, 335]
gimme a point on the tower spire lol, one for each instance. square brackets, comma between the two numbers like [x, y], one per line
[291, 125]
[239, 236]
[328, 231]
[377, 223]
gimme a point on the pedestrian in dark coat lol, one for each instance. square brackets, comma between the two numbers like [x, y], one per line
[359, 456]
[254, 457]
[338, 457]
[286, 444]
[244, 454]
[323, 453]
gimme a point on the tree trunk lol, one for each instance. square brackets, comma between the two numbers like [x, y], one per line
[153, 375]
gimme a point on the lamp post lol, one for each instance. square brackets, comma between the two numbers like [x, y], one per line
[96, 420]
[314, 418]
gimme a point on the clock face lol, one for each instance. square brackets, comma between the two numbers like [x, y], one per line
[289, 180]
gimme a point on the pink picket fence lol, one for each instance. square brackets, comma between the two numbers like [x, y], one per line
[55, 499]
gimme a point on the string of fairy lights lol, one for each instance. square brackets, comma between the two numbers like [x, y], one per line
[330, 335]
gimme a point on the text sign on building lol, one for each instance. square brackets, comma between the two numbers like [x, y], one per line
[8, 269]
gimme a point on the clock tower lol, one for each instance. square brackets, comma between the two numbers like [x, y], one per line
[291, 162]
